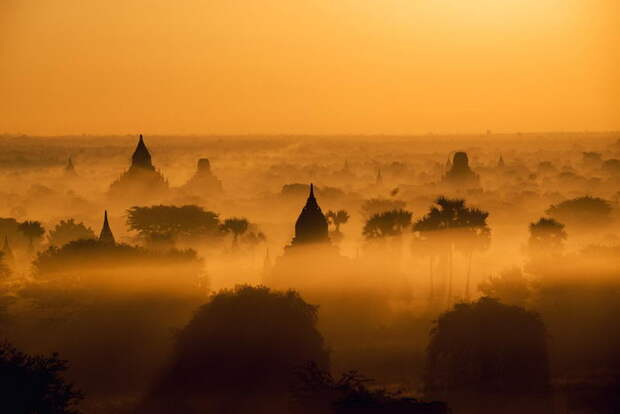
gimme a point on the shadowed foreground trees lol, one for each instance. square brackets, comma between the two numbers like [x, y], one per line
[238, 354]
[34, 384]
[315, 391]
[487, 357]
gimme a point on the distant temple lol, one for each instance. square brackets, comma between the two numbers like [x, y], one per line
[106, 235]
[460, 174]
[204, 180]
[311, 225]
[142, 182]
[500, 163]
[379, 177]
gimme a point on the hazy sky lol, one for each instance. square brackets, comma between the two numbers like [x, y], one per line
[308, 66]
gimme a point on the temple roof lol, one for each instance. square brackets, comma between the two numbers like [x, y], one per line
[106, 235]
[141, 157]
[311, 225]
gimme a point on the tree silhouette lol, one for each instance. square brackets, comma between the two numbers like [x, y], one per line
[33, 230]
[546, 235]
[82, 257]
[172, 221]
[236, 226]
[67, 231]
[376, 206]
[387, 224]
[422, 245]
[452, 225]
[239, 353]
[316, 391]
[34, 384]
[483, 352]
[585, 213]
[337, 218]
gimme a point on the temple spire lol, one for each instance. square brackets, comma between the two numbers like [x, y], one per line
[311, 225]
[141, 157]
[106, 235]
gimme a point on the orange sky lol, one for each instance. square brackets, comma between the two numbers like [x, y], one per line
[308, 66]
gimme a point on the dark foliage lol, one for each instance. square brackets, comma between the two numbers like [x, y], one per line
[487, 350]
[173, 221]
[239, 352]
[67, 231]
[386, 224]
[584, 213]
[315, 391]
[90, 254]
[34, 384]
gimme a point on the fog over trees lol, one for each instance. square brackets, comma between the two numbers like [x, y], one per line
[428, 274]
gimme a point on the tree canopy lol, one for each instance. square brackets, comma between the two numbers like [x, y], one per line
[484, 349]
[173, 221]
[245, 343]
[67, 231]
[387, 224]
[585, 213]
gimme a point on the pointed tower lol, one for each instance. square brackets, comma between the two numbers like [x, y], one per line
[500, 163]
[311, 225]
[141, 157]
[70, 168]
[106, 235]
[379, 177]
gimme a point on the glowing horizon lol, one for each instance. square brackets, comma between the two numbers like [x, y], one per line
[308, 67]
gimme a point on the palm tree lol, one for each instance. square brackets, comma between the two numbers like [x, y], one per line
[237, 226]
[451, 224]
[475, 235]
[33, 230]
[424, 246]
[337, 218]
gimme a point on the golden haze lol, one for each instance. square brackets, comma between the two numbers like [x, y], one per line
[320, 66]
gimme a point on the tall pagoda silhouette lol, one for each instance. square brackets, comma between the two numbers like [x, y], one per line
[310, 261]
[141, 182]
[311, 225]
[106, 235]
[204, 181]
